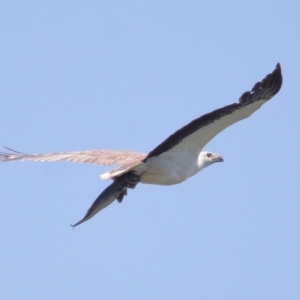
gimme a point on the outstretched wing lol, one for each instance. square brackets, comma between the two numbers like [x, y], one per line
[191, 138]
[100, 157]
[195, 135]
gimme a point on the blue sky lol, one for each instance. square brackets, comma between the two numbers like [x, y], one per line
[124, 75]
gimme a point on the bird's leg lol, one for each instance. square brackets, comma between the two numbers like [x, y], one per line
[131, 179]
[121, 195]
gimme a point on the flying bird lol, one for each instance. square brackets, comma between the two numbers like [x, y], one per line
[177, 158]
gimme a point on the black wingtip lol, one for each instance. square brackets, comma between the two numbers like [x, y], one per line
[279, 80]
[266, 88]
[278, 67]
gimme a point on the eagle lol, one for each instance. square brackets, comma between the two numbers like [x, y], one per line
[177, 158]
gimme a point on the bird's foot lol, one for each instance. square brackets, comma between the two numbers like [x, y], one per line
[131, 179]
[121, 195]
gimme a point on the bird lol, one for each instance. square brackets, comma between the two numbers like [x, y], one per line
[177, 158]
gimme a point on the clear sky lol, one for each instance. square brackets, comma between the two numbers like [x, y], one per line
[79, 75]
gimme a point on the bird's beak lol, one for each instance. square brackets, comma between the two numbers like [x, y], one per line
[218, 158]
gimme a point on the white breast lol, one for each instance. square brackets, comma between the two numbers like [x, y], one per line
[164, 170]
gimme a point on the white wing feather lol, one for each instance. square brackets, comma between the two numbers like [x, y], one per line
[100, 157]
[195, 142]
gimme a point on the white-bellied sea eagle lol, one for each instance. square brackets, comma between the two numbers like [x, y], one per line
[176, 159]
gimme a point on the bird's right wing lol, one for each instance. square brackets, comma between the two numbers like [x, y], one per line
[100, 157]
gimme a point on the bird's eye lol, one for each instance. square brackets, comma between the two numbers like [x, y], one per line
[208, 154]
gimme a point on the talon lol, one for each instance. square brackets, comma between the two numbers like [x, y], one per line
[131, 179]
[121, 196]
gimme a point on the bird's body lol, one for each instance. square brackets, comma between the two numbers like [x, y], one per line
[176, 159]
[165, 170]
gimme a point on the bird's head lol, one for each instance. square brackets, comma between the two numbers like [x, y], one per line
[205, 159]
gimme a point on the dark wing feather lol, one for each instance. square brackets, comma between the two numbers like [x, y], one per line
[192, 133]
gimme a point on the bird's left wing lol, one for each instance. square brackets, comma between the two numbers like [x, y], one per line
[195, 135]
[100, 157]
